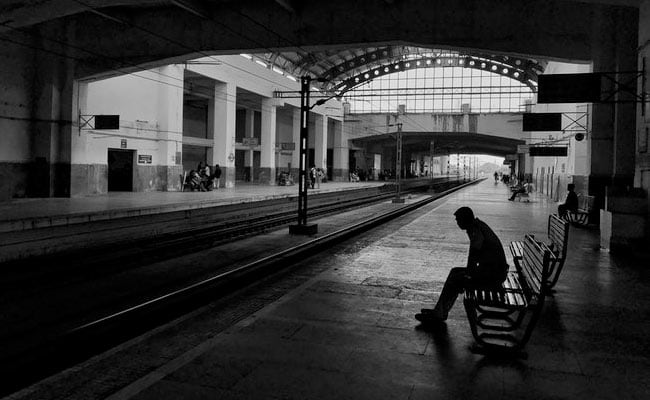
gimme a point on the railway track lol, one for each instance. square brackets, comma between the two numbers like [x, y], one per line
[58, 344]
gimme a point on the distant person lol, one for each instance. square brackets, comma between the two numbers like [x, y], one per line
[195, 181]
[496, 177]
[571, 202]
[216, 175]
[519, 189]
[312, 177]
[486, 266]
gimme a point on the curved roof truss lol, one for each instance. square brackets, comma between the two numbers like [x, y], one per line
[527, 76]
[345, 69]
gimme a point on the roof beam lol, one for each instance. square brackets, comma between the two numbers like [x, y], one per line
[195, 7]
[286, 4]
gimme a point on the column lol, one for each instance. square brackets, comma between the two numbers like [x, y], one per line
[170, 127]
[221, 123]
[341, 161]
[601, 140]
[625, 109]
[267, 159]
[295, 134]
[55, 129]
[249, 132]
[320, 141]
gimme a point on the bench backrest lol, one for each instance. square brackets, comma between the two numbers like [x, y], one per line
[558, 235]
[585, 203]
[534, 266]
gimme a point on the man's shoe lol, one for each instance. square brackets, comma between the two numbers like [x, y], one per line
[429, 318]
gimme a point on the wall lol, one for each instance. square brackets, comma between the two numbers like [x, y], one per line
[559, 171]
[15, 121]
[642, 164]
[140, 100]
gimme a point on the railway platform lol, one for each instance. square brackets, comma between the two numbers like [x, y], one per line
[341, 326]
[29, 213]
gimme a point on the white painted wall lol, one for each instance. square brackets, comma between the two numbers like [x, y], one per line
[137, 99]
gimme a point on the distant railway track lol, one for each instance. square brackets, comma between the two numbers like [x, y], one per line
[45, 347]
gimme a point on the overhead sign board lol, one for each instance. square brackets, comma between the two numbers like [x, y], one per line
[569, 88]
[542, 122]
[522, 148]
[107, 122]
[548, 151]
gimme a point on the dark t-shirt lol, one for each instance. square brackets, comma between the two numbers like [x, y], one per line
[571, 202]
[487, 260]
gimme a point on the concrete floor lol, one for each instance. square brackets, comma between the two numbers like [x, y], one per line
[342, 327]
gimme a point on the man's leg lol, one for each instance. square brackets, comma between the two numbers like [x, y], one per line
[453, 286]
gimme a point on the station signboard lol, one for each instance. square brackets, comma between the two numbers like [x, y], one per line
[542, 122]
[548, 151]
[569, 88]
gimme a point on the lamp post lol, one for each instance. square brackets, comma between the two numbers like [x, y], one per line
[302, 227]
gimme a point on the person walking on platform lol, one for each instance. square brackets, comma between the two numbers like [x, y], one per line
[571, 202]
[486, 266]
[216, 174]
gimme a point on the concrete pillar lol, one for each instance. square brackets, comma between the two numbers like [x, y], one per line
[51, 130]
[625, 108]
[249, 132]
[341, 162]
[320, 142]
[170, 128]
[601, 140]
[295, 134]
[267, 159]
[221, 124]
[612, 134]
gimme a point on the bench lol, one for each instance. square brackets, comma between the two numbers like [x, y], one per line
[558, 239]
[502, 320]
[581, 215]
[522, 195]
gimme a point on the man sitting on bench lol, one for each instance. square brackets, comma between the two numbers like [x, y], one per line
[571, 202]
[519, 189]
[486, 266]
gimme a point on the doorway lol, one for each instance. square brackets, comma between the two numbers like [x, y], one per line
[120, 170]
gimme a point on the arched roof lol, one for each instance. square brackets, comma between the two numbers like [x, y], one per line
[345, 69]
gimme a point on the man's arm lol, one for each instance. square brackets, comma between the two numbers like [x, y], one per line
[476, 240]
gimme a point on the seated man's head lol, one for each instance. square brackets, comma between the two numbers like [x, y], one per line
[571, 187]
[464, 217]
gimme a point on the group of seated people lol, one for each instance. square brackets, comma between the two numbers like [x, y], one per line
[202, 180]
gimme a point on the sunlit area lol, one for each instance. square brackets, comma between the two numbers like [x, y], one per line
[446, 82]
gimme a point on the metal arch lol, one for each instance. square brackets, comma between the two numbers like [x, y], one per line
[527, 77]
[347, 68]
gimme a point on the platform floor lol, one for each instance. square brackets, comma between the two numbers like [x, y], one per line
[342, 327]
[18, 214]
